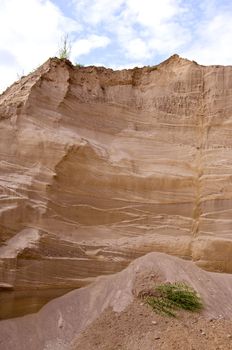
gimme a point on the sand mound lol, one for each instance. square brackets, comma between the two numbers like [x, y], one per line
[59, 323]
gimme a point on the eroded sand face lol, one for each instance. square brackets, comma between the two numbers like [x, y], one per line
[99, 167]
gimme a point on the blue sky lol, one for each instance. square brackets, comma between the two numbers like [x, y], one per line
[117, 34]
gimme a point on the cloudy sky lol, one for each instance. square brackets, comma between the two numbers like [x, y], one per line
[112, 33]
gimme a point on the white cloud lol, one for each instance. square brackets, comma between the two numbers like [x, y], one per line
[98, 11]
[138, 49]
[158, 31]
[84, 46]
[140, 28]
[143, 30]
[29, 33]
[212, 44]
[127, 66]
[150, 13]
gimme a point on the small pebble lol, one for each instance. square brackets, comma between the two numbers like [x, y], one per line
[153, 322]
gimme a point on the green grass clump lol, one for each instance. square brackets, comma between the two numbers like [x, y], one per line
[168, 297]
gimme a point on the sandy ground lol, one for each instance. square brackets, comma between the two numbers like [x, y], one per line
[139, 328]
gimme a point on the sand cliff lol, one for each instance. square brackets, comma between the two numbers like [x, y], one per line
[99, 167]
